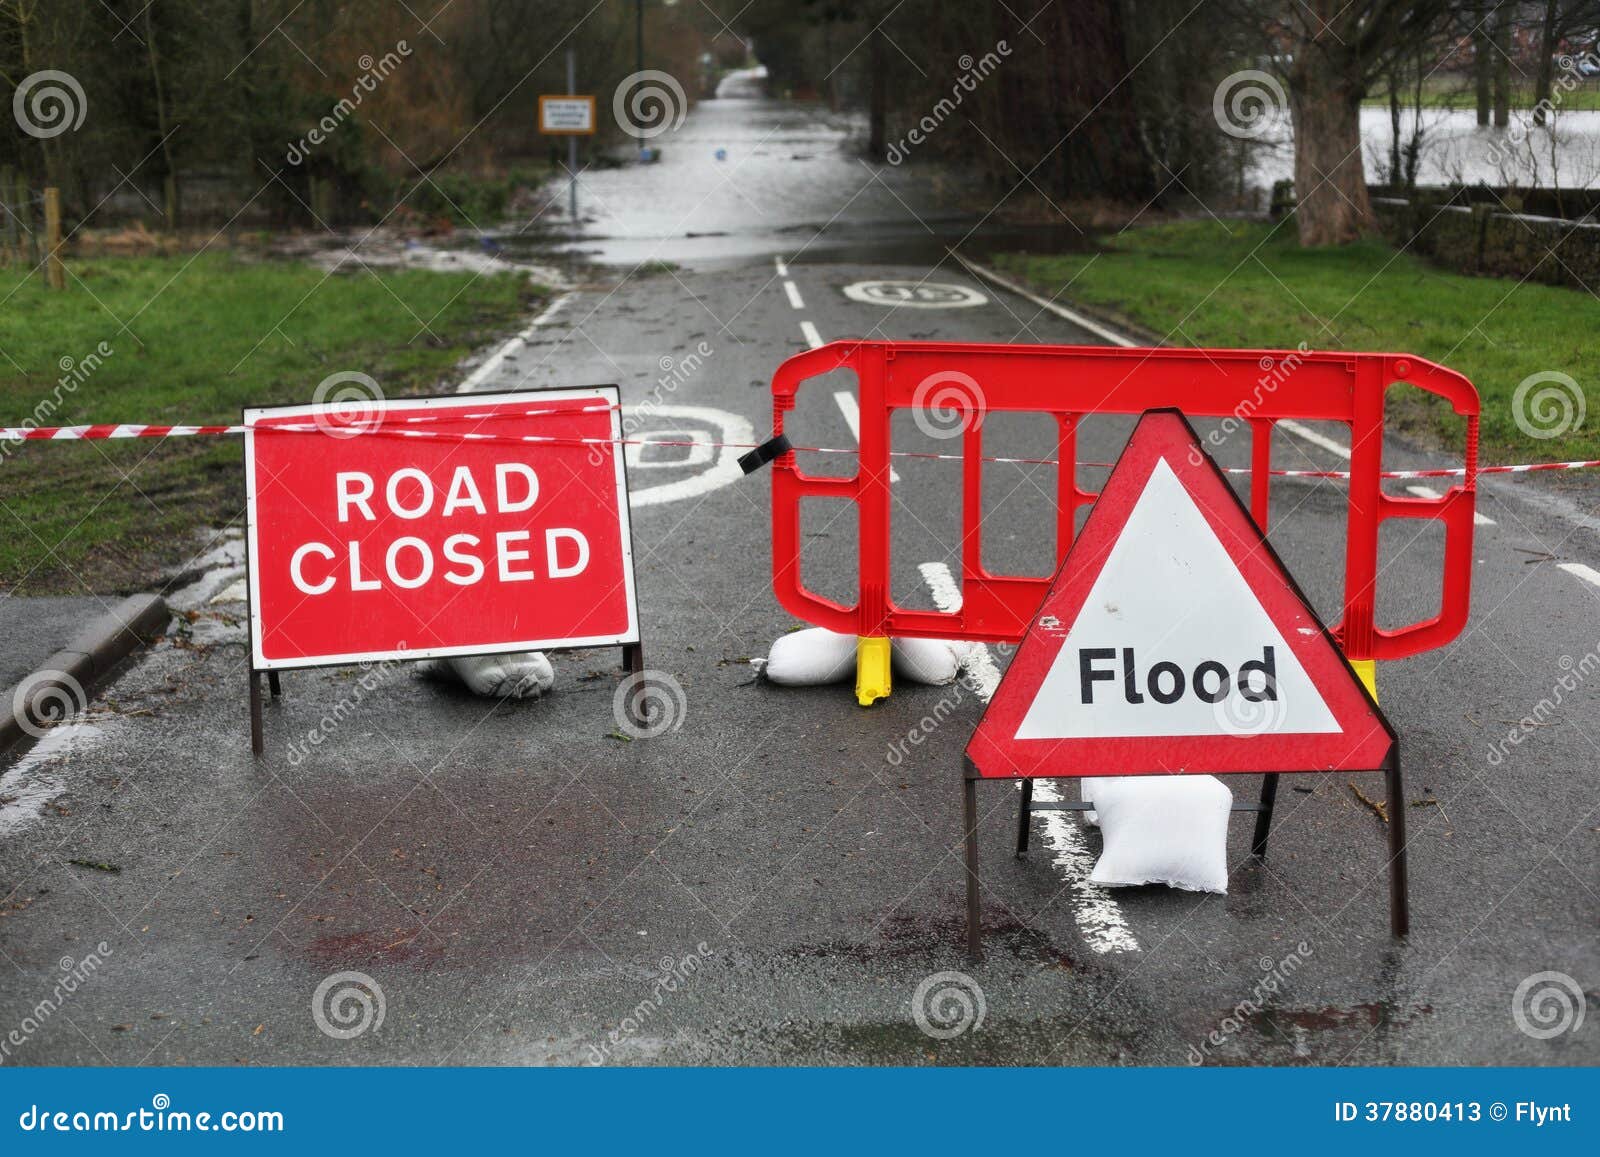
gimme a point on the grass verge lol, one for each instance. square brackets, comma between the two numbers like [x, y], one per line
[1246, 284]
[188, 340]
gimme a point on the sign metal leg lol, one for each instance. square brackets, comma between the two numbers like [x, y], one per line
[1399, 900]
[1269, 797]
[273, 684]
[1024, 816]
[969, 819]
[257, 743]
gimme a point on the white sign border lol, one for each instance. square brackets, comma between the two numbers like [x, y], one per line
[610, 393]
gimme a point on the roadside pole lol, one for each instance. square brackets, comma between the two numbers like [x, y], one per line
[55, 273]
[572, 142]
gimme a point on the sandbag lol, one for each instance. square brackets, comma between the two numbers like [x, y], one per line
[811, 658]
[933, 661]
[1162, 829]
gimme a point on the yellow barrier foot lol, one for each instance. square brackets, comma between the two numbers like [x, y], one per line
[872, 670]
[1367, 671]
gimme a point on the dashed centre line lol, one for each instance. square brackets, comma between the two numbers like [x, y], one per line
[793, 291]
[809, 332]
[1430, 492]
[1098, 915]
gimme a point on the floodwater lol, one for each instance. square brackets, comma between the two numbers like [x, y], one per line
[1565, 152]
[743, 177]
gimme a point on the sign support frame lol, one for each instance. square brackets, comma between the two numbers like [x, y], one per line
[1394, 789]
[632, 652]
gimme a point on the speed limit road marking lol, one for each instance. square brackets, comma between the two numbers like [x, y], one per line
[915, 294]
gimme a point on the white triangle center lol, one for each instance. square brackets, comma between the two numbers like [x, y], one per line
[1170, 609]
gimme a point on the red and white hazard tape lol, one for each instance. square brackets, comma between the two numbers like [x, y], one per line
[384, 428]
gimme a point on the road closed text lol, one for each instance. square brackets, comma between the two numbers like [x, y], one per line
[464, 557]
[444, 526]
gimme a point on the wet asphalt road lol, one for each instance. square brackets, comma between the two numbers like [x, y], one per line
[765, 884]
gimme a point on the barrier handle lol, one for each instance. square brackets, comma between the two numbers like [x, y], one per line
[789, 486]
[1454, 510]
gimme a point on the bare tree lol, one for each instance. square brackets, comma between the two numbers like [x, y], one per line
[1339, 49]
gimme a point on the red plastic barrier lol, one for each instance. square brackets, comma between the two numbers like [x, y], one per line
[1071, 382]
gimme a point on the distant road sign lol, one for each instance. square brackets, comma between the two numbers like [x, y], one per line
[566, 116]
[915, 294]
[1174, 641]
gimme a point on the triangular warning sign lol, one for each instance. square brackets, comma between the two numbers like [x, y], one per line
[1174, 641]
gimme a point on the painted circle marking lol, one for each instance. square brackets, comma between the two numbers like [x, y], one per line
[714, 466]
[915, 294]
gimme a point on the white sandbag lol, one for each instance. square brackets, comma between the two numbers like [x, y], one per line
[518, 675]
[933, 661]
[1086, 791]
[810, 658]
[1163, 829]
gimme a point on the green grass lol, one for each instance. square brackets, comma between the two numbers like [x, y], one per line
[1203, 283]
[1453, 92]
[192, 340]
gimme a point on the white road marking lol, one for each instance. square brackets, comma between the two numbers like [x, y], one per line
[1587, 573]
[1314, 438]
[852, 418]
[1430, 492]
[793, 291]
[1073, 316]
[732, 430]
[491, 364]
[809, 332]
[1099, 916]
[783, 270]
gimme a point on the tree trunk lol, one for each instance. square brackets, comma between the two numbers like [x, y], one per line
[169, 183]
[1482, 61]
[1394, 129]
[1545, 73]
[877, 97]
[1502, 65]
[1331, 205]
[1100, 153]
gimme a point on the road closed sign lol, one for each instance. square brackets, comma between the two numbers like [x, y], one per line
[1173, 640]
[418, 528]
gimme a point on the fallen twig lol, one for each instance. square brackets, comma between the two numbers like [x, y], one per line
[1381, 810]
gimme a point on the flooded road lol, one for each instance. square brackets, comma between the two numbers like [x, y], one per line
[744, 177]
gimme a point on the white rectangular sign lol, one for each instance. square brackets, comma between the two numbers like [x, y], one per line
[566, 115]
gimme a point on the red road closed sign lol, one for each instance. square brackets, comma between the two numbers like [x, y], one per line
[425, 527]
